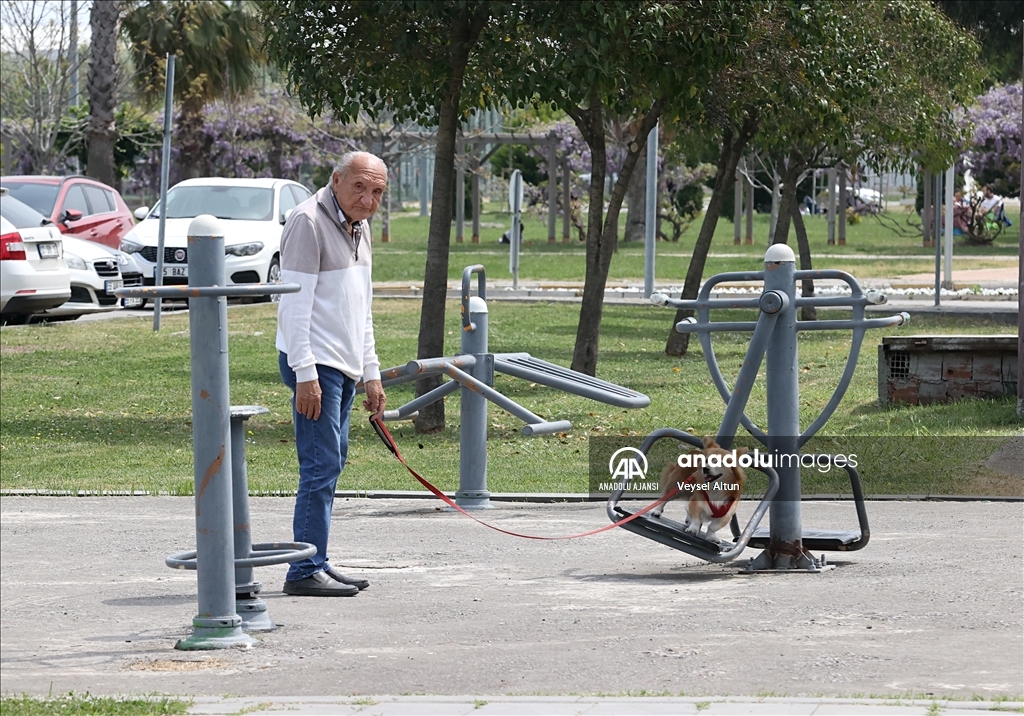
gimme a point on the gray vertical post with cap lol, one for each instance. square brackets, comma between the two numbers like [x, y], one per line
[473, 491]
[217, 624]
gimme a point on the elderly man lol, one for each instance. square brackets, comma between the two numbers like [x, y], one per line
[326, 344]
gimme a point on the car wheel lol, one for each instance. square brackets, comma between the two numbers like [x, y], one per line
[273, 276]
[17, 319]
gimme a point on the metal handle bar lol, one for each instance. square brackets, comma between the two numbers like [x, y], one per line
[248, 289]
[261, 555]
[481, 291]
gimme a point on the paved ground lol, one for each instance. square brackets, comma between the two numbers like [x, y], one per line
[931, 607]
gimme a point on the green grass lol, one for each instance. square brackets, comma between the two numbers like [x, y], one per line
[106, 405]
[403, 258]
[88, 705]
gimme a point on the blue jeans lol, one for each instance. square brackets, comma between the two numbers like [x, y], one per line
[322, 447]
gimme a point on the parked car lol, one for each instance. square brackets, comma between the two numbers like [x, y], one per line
[77, 205]
[33, 275]
[95, 275]
[253, 212]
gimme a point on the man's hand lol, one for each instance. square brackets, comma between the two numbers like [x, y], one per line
[375, 398]
[307, 398]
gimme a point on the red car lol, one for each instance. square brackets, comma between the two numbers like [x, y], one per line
[77, 205]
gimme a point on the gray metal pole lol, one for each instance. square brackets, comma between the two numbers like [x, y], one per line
[460, 203]
[217, 625]
[473, 492]
[831, 178]
[737, 206]
[926, 208]
[651, 213]
[424, 196]
[948, 234]
[516, 204]
[476, 203]
[750, 210]
[552, 188]
[842, 206]
[566, 198]
[165, 170]
[785, 550]
[936, 225]
[248, 604]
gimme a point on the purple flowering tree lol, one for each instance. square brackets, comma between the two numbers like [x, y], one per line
[994, 154]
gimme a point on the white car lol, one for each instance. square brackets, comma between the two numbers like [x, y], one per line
[95, 275]
[252, 212]
[33, 275]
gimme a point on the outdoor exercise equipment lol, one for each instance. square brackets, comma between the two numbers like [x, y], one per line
[229, 603]
[473, 370]
[787, 545]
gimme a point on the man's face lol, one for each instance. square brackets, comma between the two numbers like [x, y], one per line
[360, 190]
[988, 193]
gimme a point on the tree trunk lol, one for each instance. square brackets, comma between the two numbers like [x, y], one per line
[789, 172]
[733, 146]
[435, 283]
[189, 137]
[636, 202]
[602, 239]
[101, 133]
[807, 313]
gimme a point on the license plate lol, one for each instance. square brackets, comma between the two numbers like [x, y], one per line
[48, 250]
[174, 271]
[111, 286]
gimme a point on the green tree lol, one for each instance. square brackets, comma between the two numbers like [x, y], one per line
[101, 132]
[428, 62]
[628, 62]
[841, 82]
[997, 25]
[217, 48]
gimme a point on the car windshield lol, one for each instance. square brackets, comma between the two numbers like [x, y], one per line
[19, 214]
[241, 203]
[40, 197]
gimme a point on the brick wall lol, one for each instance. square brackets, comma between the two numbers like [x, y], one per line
[919, 370]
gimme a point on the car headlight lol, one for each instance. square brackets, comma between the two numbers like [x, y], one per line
[130, 247]
[75, 262]
[244, 249]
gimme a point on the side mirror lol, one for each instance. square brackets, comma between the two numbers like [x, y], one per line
[285, 215]
[141, 212]
[70, 215]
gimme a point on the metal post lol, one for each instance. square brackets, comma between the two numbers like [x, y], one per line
[785, 549]
[217, 625]
[936, 226]
[165, 168]
[750, 210]
[552, 188]
[776, 198]
[473, 492]
[423, 185]
[842, 205]
[737, 207]
[831, 178]
[651, 211]
[948, 266]
[926, 208]
[566, 198]
[248, 604]
[515, 200]
[460, 203]
[476, 203]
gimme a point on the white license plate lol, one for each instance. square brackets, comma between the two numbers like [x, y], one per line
[174, 271]
[48, 250]
[111, 286]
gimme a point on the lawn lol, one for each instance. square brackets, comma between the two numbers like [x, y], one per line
[106, 405]
[402, 259]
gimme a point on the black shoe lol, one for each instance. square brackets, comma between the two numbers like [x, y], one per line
[319, 585]
[356, 582]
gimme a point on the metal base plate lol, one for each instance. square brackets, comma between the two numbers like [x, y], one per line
[812, 539]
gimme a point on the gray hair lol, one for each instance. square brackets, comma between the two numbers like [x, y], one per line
[345, 162]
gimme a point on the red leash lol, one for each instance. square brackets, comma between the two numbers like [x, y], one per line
[389, 442]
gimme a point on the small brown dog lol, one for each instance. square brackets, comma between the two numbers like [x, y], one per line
[713, 480]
